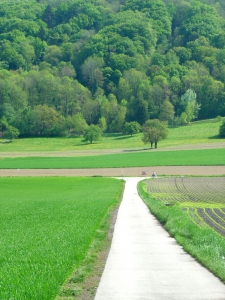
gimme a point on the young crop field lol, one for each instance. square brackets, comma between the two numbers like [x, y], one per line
[203, 198]
[202, 157]
[47, 225]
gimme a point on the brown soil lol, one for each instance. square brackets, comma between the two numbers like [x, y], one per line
[119, 172]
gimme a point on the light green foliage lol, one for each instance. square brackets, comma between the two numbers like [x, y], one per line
[183, 118]
[146, 53]
[92, 133]
[47, 226]
[43, 119]
[166, 112]
[131, 128]
[102, 124]
[211, 90]
[76, 124]
[114, 113]
[189, 105]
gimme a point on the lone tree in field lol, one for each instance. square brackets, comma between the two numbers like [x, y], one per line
[131, 127]
[153, 132]
[92, 133]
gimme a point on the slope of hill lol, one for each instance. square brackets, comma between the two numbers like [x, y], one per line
[67, 64]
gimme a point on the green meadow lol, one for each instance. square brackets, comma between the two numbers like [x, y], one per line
[207, 157]
[47, 226]
[195, 133]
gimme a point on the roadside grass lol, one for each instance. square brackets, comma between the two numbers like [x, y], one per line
[206, 157]
[202, 242]
[47, 227]
[195, 133]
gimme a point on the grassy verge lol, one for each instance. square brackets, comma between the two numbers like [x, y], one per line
[47, 226]
[202, 243]
[206, 157]
[195, 133]
[83, 282]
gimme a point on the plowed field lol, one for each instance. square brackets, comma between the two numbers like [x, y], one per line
[203, 198]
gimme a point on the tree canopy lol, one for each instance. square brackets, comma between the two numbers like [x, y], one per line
[153, 132]
[110, 63]
[92, 133]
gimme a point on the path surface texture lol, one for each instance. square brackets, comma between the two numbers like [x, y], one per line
[144, 262]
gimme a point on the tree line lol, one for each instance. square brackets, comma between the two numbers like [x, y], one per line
[66, 65]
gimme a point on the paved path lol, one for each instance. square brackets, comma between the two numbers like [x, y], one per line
[145, 263]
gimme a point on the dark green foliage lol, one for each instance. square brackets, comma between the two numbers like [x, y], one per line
[153, 132]
[11, 133]
[222, 130]
[71, 55]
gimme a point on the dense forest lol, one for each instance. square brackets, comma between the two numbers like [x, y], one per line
[67, 64]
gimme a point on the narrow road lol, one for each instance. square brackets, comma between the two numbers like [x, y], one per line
[145, 263]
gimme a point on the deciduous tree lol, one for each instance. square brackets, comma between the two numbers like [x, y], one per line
[92, 73]
[131, 128]
[166, 111]
[11, 133]
[189, 105]
[92, 133]
[153, 132]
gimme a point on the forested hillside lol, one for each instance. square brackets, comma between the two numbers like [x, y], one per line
[66, 64]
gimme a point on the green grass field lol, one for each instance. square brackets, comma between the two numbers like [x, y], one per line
[207, 157]
[196, 133]
[47, 226]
